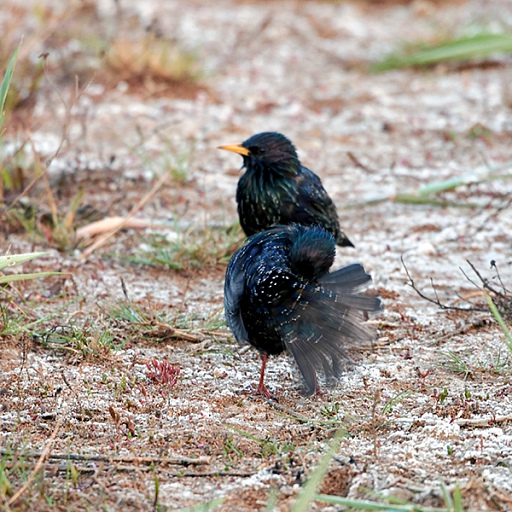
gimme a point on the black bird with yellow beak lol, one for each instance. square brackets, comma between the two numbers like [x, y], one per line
[277, 190]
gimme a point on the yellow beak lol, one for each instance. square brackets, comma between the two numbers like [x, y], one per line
[236, 148]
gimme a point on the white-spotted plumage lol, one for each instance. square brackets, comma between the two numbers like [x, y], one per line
[280, 295]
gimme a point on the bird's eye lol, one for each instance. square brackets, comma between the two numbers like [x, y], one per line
[256, 150]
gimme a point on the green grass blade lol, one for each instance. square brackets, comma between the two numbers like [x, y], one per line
[23, 277]
[462, 49]
[365, 505]
[501, 322]
[16, 259]
[6, 83]
[446, 496]
[473, 178]
[308, 493]
[457, 499]
[373, 505]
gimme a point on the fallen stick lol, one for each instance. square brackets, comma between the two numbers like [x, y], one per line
[178, 461]
[103, 239]
[108, 223]
[483, 422]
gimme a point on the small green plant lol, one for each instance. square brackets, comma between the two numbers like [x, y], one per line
[396, 399]
[458, 363]
[496, 364]
[330, 411]
[454, 50]
[191, 249]
[268, 446]
[5, 484]
[88, 340]
[231, 451]
[156, 481]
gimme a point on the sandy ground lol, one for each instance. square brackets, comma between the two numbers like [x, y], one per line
[429, 403]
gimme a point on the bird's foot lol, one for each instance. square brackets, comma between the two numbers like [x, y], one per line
[262, 390]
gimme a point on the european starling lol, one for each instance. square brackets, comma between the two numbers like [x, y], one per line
[276, 189]
[279, 295]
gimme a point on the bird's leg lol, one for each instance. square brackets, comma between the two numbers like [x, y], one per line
[261, 387]
[318, 391]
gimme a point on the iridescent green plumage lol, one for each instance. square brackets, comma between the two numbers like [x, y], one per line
[277, 190]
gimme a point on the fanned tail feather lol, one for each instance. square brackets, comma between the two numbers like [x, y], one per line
[328, 321]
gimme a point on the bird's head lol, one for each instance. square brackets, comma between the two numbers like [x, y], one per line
[312, 251]
[268, 150]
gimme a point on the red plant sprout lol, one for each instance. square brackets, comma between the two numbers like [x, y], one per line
[162, 372]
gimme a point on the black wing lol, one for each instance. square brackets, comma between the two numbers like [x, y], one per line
[328, 321]
[234, 287]
[316, 207]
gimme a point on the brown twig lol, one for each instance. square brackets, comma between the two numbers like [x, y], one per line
[108, 223]
[436, 301]
[358, 163]
[483, 422]
[485, 282]
[178, 333]
[103, 239]
[177, 461]
[63, 468]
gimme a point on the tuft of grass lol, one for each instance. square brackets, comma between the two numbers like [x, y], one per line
[395, 400]
[89, 341]
[128, 312]
[5, 176]
[459, 49]
[192, 248]
[138, 322]
[43, 219]
[458, 364]
[152, 62]
[268, 446]
[6, 489]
